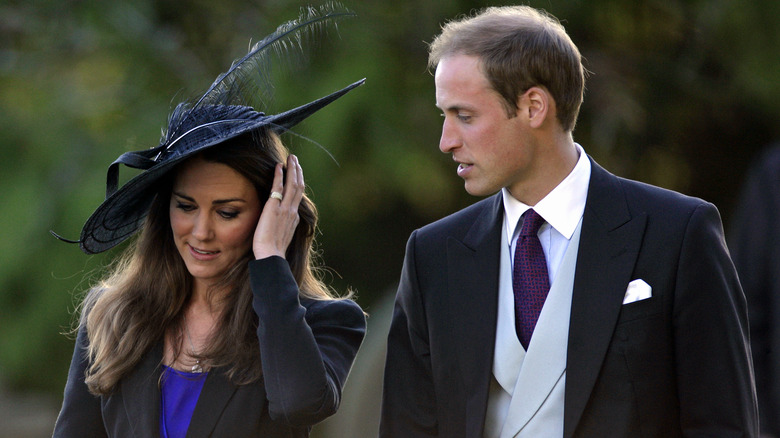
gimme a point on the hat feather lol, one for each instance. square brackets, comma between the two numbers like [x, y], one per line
[248, 77]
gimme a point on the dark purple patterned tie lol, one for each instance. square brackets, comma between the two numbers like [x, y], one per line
[530, 280]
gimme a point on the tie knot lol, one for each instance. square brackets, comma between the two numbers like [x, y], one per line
[531, 223]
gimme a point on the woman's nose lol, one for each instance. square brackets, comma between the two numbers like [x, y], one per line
[202, 228]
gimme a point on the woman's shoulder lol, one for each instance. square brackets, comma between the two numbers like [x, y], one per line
[88, 302]
[344, 310]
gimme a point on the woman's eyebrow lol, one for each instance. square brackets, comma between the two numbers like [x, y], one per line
[214, 202]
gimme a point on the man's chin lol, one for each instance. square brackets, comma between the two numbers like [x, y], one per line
[475, 190]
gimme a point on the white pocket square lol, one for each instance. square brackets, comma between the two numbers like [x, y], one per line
[637, 290]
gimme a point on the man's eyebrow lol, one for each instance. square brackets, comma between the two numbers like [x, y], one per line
[453, 108]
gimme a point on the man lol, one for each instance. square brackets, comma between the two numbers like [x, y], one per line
[643, 327]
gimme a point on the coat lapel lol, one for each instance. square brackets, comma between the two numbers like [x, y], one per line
[141, 395]
[473, 265]
[609, 246]
[214, 397]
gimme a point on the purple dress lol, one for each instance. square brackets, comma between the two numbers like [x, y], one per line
[180, 392]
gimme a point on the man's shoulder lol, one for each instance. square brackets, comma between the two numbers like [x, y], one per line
[653, 197]
[643, 195]
[461, 221]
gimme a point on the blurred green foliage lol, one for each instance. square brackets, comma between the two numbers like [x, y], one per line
[682, 94]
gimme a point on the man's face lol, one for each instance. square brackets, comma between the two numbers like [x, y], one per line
[492, 150]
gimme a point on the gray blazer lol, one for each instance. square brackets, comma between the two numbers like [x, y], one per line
[307, 347]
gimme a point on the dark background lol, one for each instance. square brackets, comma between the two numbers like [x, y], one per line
[683, 94]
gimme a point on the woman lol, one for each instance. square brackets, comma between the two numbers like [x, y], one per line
[213, 323]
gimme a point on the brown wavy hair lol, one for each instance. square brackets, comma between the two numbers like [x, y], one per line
[147, 289]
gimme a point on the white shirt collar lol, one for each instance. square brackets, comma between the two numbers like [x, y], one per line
[562, 208]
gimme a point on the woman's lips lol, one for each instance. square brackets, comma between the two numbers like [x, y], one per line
[201, 254]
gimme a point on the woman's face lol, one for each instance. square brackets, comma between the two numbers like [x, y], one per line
[214, 212]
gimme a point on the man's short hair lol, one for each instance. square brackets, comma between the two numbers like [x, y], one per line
[520, 47]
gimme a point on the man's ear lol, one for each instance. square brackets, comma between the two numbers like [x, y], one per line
[536, 105]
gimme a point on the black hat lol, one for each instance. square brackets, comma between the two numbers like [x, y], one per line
[220, 114]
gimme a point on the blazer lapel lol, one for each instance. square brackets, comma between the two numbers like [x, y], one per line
[141, 395]
[609, 246]
[473, 265]
[215, 395]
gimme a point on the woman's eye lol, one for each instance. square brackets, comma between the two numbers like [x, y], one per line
[185, 207]
[228, 214]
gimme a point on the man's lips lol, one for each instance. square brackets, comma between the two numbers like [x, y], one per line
[463, 168]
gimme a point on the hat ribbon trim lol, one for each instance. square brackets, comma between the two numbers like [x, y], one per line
[202, 126]
[62, 238]
[136, 160]
[142, 159]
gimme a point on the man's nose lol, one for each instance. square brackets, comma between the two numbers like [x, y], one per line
[449, 137]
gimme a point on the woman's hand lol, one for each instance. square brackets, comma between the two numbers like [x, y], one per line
[277, 223]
